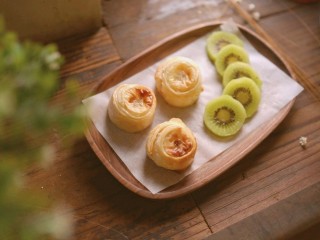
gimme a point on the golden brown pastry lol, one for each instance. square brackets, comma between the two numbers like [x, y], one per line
[178, 80]
[171, 145]
[132, 107]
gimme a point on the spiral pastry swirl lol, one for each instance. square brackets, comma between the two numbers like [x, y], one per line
[132, 107]
[179, 81]
[171, 145]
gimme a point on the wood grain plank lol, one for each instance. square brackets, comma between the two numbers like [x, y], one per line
[88, 57]
[134, 28]
[301, 41]
[296, 217]
[181, 230]
[269, 8]
[266, 196]
[310, 233]
[102, 207]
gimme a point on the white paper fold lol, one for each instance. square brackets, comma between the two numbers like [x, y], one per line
[278, 89]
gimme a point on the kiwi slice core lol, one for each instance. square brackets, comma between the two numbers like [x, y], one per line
[231, 58]
[224, 115]
[222, 43]
[243, 95]
[241, 74]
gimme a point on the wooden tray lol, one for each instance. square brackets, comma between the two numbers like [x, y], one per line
[211, 169]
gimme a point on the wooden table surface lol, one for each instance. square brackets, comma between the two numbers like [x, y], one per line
[272, 193]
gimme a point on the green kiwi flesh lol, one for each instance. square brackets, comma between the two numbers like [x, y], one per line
[240, 69]
[246, 92]
[219, 39]
[228, 55]
[224, 116]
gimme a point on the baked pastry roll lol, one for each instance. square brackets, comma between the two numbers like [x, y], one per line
[132, 107]
[179, 81]
[171, 145]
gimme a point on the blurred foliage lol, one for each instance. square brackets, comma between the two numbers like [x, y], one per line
[29, 74]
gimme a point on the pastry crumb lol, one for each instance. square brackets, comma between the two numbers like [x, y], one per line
[251, 7]
[303, 141]
[256, 15]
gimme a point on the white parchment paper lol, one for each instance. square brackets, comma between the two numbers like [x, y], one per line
[278, 89]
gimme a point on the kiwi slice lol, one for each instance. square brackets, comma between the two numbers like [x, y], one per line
[246, 92]
[224, 116]
[219, 39]
[240, 69]
[228, 55]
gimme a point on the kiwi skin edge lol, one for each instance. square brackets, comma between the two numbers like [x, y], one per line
[240, 69]
[219, 39]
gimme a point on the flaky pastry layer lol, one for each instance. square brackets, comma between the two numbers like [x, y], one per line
[172, 145]
[132, 107]
[179, 81]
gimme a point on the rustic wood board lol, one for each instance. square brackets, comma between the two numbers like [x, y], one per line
[88, 57]
[270, 174]
[211, 169]
[301, 208]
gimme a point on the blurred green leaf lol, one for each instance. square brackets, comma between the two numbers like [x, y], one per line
[29, 78]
